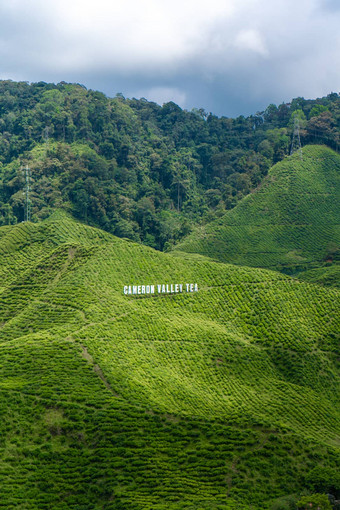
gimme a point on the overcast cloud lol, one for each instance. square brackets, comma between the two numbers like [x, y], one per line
[229, 57]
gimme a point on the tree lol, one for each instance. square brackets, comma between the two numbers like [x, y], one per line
[322, 478]
[314, 502]
[316, 110]
[6, 214]
[322, 127]
[181, 181]
[271, 113]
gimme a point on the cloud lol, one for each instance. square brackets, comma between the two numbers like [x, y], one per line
[251, 40]
[227, 56]
[163, 95]
[84, 34]
[332, 5]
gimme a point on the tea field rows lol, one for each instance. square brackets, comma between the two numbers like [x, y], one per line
[290, 223]
[224, 398]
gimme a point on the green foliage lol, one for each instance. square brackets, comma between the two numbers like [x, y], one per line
[316, 110]
[99, 157]
[328, 274]
[285, 503]
[314, 501]
[323, 479]
[290, 223]
[222, 399]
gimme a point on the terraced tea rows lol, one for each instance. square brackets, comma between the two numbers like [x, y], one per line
[225, 398]
[291, 223]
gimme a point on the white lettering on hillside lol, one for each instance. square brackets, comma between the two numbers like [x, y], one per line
[160, 288]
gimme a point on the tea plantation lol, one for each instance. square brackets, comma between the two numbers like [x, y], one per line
[225, 398]
[291, 223]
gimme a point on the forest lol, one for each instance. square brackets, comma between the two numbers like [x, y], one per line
[138, 170]
[220, 397]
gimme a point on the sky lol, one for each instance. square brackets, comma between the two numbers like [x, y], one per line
[229, 57]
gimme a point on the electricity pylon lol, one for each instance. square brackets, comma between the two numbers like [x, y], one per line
[296, 142]
[27, 195]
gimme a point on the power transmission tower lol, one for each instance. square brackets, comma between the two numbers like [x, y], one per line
[46, 137]
[296, 142]
[46, 134]
[27, 194]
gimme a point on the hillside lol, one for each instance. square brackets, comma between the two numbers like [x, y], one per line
[136, 169]
[290, 223]
[223, 397]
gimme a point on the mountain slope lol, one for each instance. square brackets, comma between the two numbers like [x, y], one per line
[134, 168]
[187, 400]
[291, 222]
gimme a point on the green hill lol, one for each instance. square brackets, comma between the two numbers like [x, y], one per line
[290, 223]
[221, 398]
[328, 275]
[135, 169]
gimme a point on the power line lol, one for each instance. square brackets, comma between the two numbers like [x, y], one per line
[27, 194]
